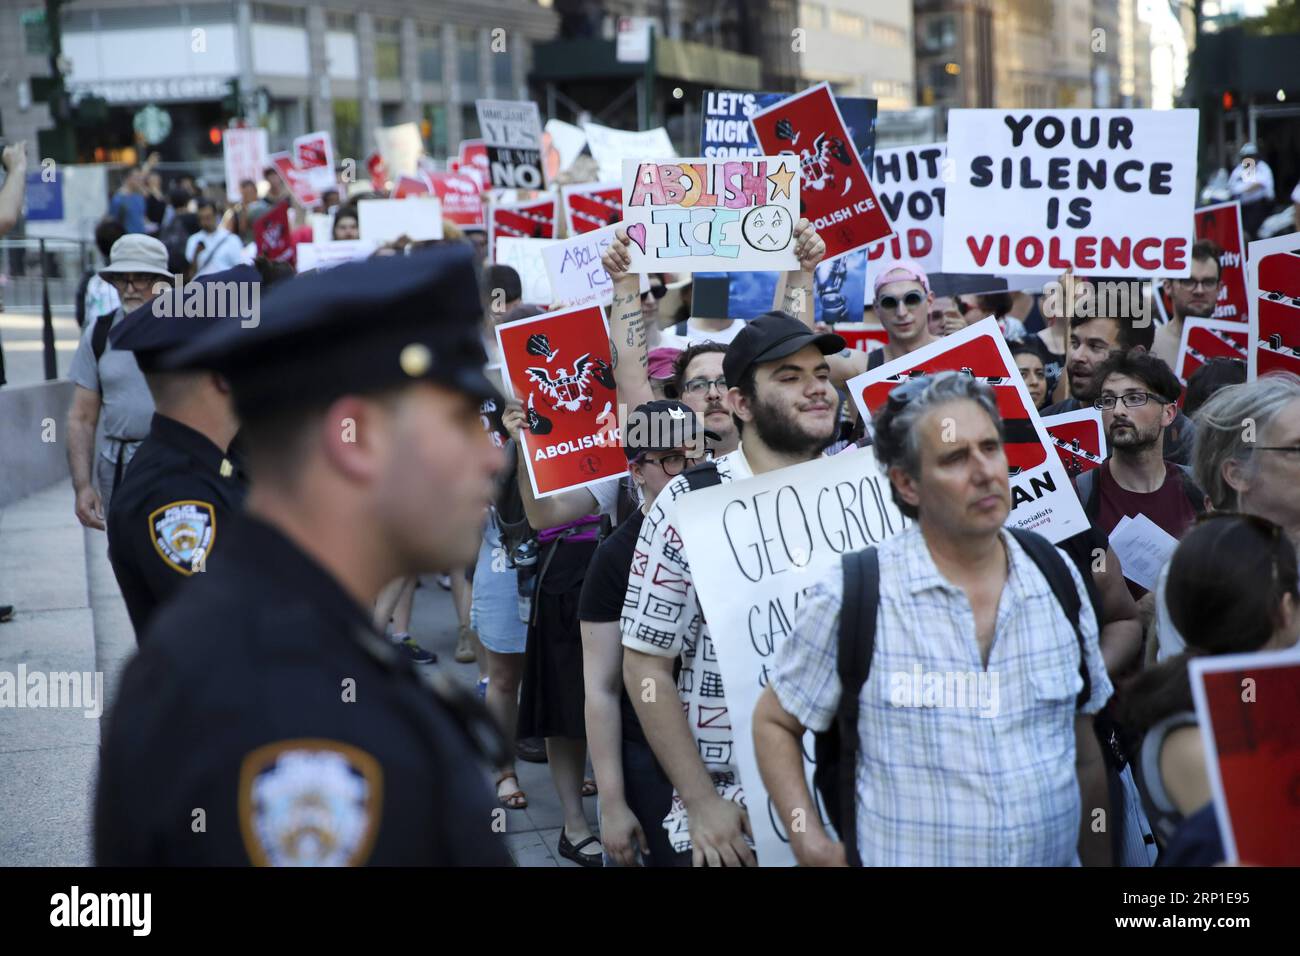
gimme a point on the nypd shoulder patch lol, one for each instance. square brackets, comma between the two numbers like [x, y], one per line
[309, 802]
[183, 533]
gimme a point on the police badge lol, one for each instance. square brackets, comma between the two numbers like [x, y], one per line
[309, 803]
[182, 532]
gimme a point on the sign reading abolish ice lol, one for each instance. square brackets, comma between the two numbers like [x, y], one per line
[574, 270]
[754, 547]
[707, 215]
[1042, 498]
[512, 132]
[1105, 192]
[557, 364]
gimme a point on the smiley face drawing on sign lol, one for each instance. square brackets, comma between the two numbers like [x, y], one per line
[767, 228]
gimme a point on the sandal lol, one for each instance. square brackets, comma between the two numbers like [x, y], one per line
[589, 788]
[516, 799]
[574, 853]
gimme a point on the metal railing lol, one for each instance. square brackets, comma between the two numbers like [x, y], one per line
[43, 275]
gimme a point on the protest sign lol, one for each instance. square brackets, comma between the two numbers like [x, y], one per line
[1105, 192]
[839, 290]
[401, 147]
[610, 147]
[725, 131]
[474, 162]
[836, 194]
[322, 226]
[313, 155]
[557, 365]
[1246, 709]
[1220, 223]
[295, 179]
[461, 198]
[326, 255]
[863, 337]
[754, 547]
[574, 271]
[562, 143]
[534, 219]
[378, 174]
[271, 234]
[244, 152]
[1206, 339]
[407, 186]
[1079, 438]
[702, 215]
[512, 134]
[525, 257]
[591, 206]
[383, 220]
[1042, 498]
[1273, 292]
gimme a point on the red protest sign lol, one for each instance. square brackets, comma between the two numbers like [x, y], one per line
[592, 206]
[558, 365]
[462, 199]
[271, 233]
[1206, 339]
[313, 155]
[1221, 224]
[410, 186]
[1080, 439]
[1246, 709]
[1274, 298]
[835, 193]
[526, 220]
[378, 174]
[474, 162]
[294, 178]
[863, 337]
[1042, 498]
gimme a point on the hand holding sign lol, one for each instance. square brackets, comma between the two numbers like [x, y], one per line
[616, 258]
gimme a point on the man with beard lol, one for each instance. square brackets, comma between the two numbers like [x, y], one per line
[699, 382]
[1193, 297]
[1137, 395]
[780, 391]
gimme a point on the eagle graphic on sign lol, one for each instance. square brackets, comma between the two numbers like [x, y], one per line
[570, 391]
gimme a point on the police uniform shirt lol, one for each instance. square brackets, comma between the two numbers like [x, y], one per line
[170, 514]
[264, 721]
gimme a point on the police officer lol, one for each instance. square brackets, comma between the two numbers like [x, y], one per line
[265, 720]
[183, 484]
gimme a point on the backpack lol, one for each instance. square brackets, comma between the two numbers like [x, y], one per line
[99, 336]
[836, 748]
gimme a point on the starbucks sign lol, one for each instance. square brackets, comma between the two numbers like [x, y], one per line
[153, 123]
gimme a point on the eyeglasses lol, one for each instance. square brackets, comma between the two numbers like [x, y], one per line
[674, 464]
[1190, 284]
[700, 386]
[1292, 451]
[140, 280]
[1130, 400]
[890, 302]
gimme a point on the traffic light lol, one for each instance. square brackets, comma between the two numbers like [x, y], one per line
[230, 103]
[1229, 101]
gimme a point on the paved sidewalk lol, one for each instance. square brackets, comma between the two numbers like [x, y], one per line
[71, 618]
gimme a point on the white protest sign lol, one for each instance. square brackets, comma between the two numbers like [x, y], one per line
[1105, 192]
[754, 548]
[566, 141]
[245, 153]
[383, 220]
[525, 257]
[313, 155]
[609, 147]
[1042, 497]
[574, 270]
[401, 147]
[322, 226]
[327, 255]
[711, 215]
[1143, 548]
[512, 133]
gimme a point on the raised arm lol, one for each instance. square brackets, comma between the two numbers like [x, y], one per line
[554, 509]
[627, 332]
[14, 159]
[794, 293]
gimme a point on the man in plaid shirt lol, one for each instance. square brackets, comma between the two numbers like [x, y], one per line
[969, 718]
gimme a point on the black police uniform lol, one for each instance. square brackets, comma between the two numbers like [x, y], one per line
[170, 514]
[265, 720]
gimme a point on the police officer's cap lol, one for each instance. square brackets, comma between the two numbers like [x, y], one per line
[354, 329]
[179, 316]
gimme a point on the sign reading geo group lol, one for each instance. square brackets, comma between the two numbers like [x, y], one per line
[1105, 192]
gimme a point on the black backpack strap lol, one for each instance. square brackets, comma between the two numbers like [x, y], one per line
[857, 643]
[1086, 487]
[99, 336]
[1195, 496]
[703, 475]
[1053, 567]
[80, 303]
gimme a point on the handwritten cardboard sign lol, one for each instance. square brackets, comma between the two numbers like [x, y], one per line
[1105, 192]
[327, 255]
[753, 547]
[1042, 498]
[575, 273]
[702, 215]
[610, 147]
[1273, 278]
[512, 134]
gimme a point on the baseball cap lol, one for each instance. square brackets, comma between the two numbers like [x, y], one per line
[663, 425]
[661, 361]
[771, 336]
[900, 270]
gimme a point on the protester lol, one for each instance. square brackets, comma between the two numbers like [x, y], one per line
[902, 304]
[1251, 183]
[128, 203]
[99, 296]
[108, 382]
[176, 231]
[239, 218]
[212, 248]
[635, 795]
[1232, 589]
[155, 202]
[1206, 381]
[780, 393]
[660, 369]
[1193, 297]
[998, 305]
[346, 224]
[1029, 361]
[927, 792]
[945, 317]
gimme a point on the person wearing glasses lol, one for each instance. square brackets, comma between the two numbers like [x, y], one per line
[109, 383]
[1191, 298]
[903, 300]
[1137, 396]
[635, 794]
[699, 382]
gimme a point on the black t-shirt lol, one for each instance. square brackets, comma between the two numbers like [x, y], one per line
[602, 597]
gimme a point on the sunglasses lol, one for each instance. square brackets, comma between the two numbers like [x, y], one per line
[890, 302]
[658, 291]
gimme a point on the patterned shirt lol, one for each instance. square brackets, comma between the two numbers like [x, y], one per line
[662, 616]
[959, 764]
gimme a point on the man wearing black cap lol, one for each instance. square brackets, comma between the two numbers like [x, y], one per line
[265, 720]
[182, 487]
[780, 392]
